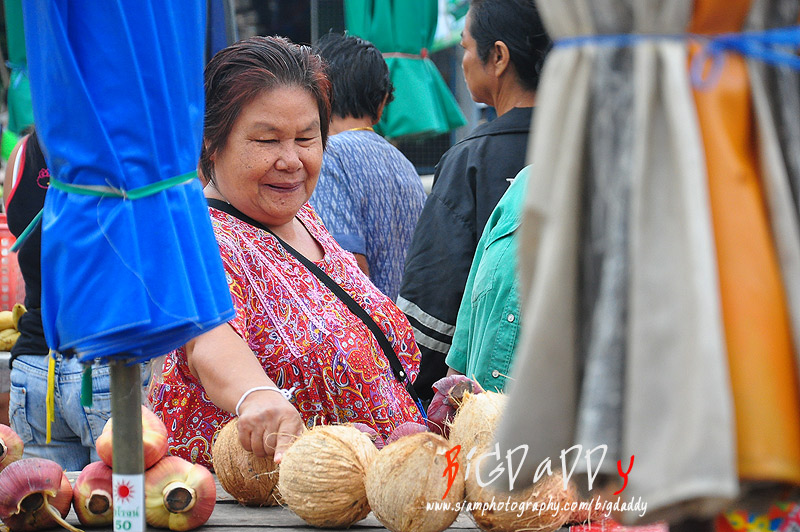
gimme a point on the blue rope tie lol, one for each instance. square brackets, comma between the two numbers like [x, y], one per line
[767, 46]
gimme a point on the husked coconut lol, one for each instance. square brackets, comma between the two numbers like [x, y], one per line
[322, 476]
[474, 429]
[522, 510]
[251, 479]
[407, 475]
[476, 421]
[376, 438]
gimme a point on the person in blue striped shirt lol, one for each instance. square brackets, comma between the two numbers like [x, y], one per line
[369, 195]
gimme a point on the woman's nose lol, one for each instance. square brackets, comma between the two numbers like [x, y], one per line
[289, 158]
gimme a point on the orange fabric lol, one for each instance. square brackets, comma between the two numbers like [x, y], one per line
[756, 321]
[718, 16]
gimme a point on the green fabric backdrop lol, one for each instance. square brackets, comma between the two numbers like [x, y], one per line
[423, 104]
[20, 111]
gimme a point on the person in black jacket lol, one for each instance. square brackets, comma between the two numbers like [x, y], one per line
[504, 46]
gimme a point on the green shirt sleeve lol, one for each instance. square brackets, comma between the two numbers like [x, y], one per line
[488, 317]
[457, 356]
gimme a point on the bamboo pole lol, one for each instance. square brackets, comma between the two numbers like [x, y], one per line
[128, 450]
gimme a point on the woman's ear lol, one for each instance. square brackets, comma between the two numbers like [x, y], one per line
[381, 107]
[211, 156]
[501, 58]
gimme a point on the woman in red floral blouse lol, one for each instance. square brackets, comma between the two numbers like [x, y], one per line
[294, 355]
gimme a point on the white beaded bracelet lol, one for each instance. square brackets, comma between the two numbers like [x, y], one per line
[287, 394]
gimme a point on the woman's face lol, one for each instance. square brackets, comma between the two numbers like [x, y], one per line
[476, 73]
[270, 164]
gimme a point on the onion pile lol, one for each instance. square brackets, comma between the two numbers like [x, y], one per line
[179, 495]
[34, 494]
[322, 476]
[251, 479]
[92, 495]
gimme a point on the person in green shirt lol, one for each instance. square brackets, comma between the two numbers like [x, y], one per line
[488, 322]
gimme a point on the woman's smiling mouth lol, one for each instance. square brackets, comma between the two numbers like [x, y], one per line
[284, 187]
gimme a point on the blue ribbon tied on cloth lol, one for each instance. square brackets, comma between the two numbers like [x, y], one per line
[775, 47]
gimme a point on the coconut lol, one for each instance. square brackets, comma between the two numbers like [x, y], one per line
[543, 506]
[476, 421]
[407, 475]
[376, 438]
[474, 428]
[251, 479]
[322, 476]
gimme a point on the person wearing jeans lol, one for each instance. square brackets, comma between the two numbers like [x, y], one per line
[76, 427]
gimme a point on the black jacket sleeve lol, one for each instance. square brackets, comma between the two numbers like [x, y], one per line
[470, 179]
[437, 265]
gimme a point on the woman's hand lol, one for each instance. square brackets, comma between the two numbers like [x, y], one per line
[268, 424]
[227, 368]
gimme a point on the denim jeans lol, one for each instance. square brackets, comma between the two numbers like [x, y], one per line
[76, 427]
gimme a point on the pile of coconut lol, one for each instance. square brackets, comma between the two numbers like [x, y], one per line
[333, 476]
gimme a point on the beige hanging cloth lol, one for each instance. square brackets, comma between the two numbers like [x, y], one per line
[690, 358]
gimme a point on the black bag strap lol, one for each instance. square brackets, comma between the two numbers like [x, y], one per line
[333, 286]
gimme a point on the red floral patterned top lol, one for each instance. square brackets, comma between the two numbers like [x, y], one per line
[304, 336]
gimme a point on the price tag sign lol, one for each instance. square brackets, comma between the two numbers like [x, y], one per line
[128, 503]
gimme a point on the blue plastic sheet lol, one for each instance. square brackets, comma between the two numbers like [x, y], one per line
[118, 98]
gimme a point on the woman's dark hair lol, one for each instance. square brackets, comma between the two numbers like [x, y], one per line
[517, 24]
[358, 73]
[239, 73]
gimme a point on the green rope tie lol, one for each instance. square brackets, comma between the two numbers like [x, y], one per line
[103, 191]
[113, 192]
[28, 230]
[86, 387]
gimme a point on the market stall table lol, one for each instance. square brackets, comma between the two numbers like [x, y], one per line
[230, 516]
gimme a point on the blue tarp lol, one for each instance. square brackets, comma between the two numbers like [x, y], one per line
[118, 99]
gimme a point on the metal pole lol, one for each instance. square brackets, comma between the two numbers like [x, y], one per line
[231, 29]
[128, 470]
[314, 23]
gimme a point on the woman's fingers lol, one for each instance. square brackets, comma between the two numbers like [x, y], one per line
[257, 439]
[251, 440]
[283, 442]
[290, 430]
[268, 426]
[244, 436]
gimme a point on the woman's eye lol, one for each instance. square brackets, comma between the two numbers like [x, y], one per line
[266, 141]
